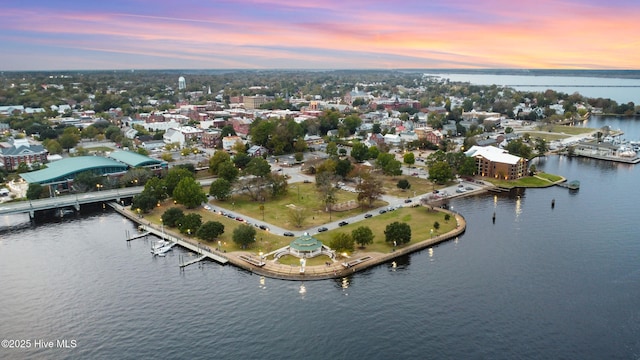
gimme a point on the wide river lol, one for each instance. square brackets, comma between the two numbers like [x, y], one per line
[539, 283]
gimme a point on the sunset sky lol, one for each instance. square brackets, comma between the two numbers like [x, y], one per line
[328, 34]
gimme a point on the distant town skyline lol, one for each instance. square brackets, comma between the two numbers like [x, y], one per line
[330, 34]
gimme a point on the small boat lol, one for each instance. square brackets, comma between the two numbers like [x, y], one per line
[163, 250]
[158, 244]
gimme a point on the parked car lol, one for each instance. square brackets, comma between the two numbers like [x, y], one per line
[264, 227]
[406, 201]
[306, 181]
[382, 211]
[321, 229]
[366, 216]
[288, 233]
[342, 223]
[239, 218]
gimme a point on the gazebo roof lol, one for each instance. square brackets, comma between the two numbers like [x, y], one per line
[306, 243]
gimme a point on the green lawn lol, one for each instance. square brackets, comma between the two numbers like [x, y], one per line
[571, 130]
[420, 219]
[300, 195]
[527, 181]
[419, 185]
[550, 177]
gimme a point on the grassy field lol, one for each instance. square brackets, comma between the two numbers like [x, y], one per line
[527, 181]
[571, 130]
[420, 219]
[300, 195]
[420, 186]
[550, 177]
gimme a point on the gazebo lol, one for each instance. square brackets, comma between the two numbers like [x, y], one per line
[306, 246]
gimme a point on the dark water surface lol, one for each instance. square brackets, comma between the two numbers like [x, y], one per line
[540, 283]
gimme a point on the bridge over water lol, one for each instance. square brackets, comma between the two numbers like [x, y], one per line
[68, 201]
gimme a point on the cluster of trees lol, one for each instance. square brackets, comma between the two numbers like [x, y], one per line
[192, 224]
[257, 179]
[343, 242]
[443, 166]
[179, 183]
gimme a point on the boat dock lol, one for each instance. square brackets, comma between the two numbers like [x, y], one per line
[197, 248]
[572, 185]
[139, 236]
[184, 264]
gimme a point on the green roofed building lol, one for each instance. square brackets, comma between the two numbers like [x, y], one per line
[59, 175]
[62, 172]
[136, 160]
[306, 246]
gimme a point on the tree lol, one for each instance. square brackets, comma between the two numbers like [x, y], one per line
[468, 167]
[332, 149]
[403, 184]
[440, 172]
[86, 181]
[436, 225]
[190, 223]
[174, 176]
[393, 168]
[343, 167]
[258, 167]
[144, 201]
[172, 216]
[210, 230]
[541, 146]
[369, 189]
[156, 187]
[34, 191]
[189, 193]
[397, 232]
[67, 140]
[359, 151]
[326, 190]
[362, 236]
[409, 158]
[220, 189]
[297, 216]
[218, 158]
[240, 160]
[54, 147]
[227, 171]
[244, 235]
[373, 152]
[341, 242]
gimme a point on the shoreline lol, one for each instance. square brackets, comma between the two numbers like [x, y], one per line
[271, 269]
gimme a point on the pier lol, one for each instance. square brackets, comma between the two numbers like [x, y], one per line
[153, 230]
[139, 236]
[184, 264]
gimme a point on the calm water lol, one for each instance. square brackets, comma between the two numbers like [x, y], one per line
[620, 90]
[540, 283]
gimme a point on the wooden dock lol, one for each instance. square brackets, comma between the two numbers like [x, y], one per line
[139, 236]
[187, 263]
[196, 248]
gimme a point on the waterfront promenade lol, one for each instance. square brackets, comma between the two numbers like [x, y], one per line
[270, 268]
